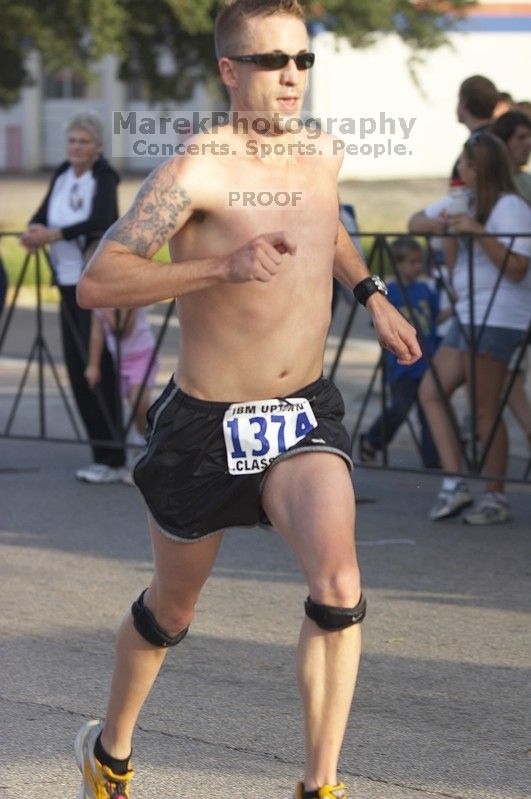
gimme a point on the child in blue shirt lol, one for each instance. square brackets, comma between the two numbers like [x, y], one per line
[412, 297]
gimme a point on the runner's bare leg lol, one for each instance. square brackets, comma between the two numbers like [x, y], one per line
[181, 570]
[310, 501]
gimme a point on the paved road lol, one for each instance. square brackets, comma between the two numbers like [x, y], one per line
[441, 703]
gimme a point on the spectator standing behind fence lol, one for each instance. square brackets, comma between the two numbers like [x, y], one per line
[130, 340]
[477, 101]
[501, 304]
[418, 303]
[476, 105]
[505, 103]
[514, 129]
[80, 205]
[524, 106]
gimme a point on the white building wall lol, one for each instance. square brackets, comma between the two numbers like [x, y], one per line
[11, 117]
[31, 109]
[366, 83]
[21, 125]
[130, 145]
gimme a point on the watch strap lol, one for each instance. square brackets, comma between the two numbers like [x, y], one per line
[368, 286]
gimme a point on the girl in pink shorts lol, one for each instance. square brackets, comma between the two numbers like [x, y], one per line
[136, 347]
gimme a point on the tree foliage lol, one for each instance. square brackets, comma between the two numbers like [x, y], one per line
[74, 32]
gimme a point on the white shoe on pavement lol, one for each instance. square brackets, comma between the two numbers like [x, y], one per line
[491, 509]
[451, 503]
[101, 473]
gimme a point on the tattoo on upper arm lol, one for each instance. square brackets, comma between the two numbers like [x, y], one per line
[153, 217]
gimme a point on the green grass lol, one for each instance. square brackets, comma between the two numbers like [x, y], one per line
[15, 256]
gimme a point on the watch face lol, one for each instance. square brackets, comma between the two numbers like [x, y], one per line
[380, 285]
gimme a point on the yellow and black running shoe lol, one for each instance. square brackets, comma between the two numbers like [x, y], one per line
[326, 792]
[98, 781]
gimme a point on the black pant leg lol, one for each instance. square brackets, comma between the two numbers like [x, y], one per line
[75, 333]
[382, 431]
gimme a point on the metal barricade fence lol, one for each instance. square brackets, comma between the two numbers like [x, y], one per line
[38, 268]
[380, 261]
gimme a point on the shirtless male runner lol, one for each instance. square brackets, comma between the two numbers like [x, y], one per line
[254, 287]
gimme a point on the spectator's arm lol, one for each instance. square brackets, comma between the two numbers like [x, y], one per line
[103, 214]
[37, 233]
[438, 315]
[421, 223]
[514, 264]
[450, 251]
[443, 315]
[39, 217]
[126, 319]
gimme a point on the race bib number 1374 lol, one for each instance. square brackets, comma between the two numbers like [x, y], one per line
[258, 431]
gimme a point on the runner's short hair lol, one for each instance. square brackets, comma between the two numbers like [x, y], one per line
[230, 27]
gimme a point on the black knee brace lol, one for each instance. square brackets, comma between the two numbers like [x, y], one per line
[330, 618]
[147, 626]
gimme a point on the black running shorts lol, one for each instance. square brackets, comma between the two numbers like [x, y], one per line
[183, 474]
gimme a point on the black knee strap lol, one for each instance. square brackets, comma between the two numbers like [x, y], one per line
[331, 618]
[148, 627]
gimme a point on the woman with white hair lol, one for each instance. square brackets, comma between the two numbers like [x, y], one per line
[80, 205]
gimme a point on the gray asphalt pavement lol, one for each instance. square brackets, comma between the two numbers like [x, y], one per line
[442, 697]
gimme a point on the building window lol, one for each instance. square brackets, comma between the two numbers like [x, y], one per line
[65, 84]
[136, 89]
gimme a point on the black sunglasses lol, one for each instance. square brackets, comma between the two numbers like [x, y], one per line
[272, 61]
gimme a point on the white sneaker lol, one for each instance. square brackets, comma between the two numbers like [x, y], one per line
[100, 473]
[98, 781]
[490, 510]
[451, 503]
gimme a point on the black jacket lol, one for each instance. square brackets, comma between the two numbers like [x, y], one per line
[104, 206]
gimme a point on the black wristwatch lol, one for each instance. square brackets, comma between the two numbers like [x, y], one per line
[370, 285]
